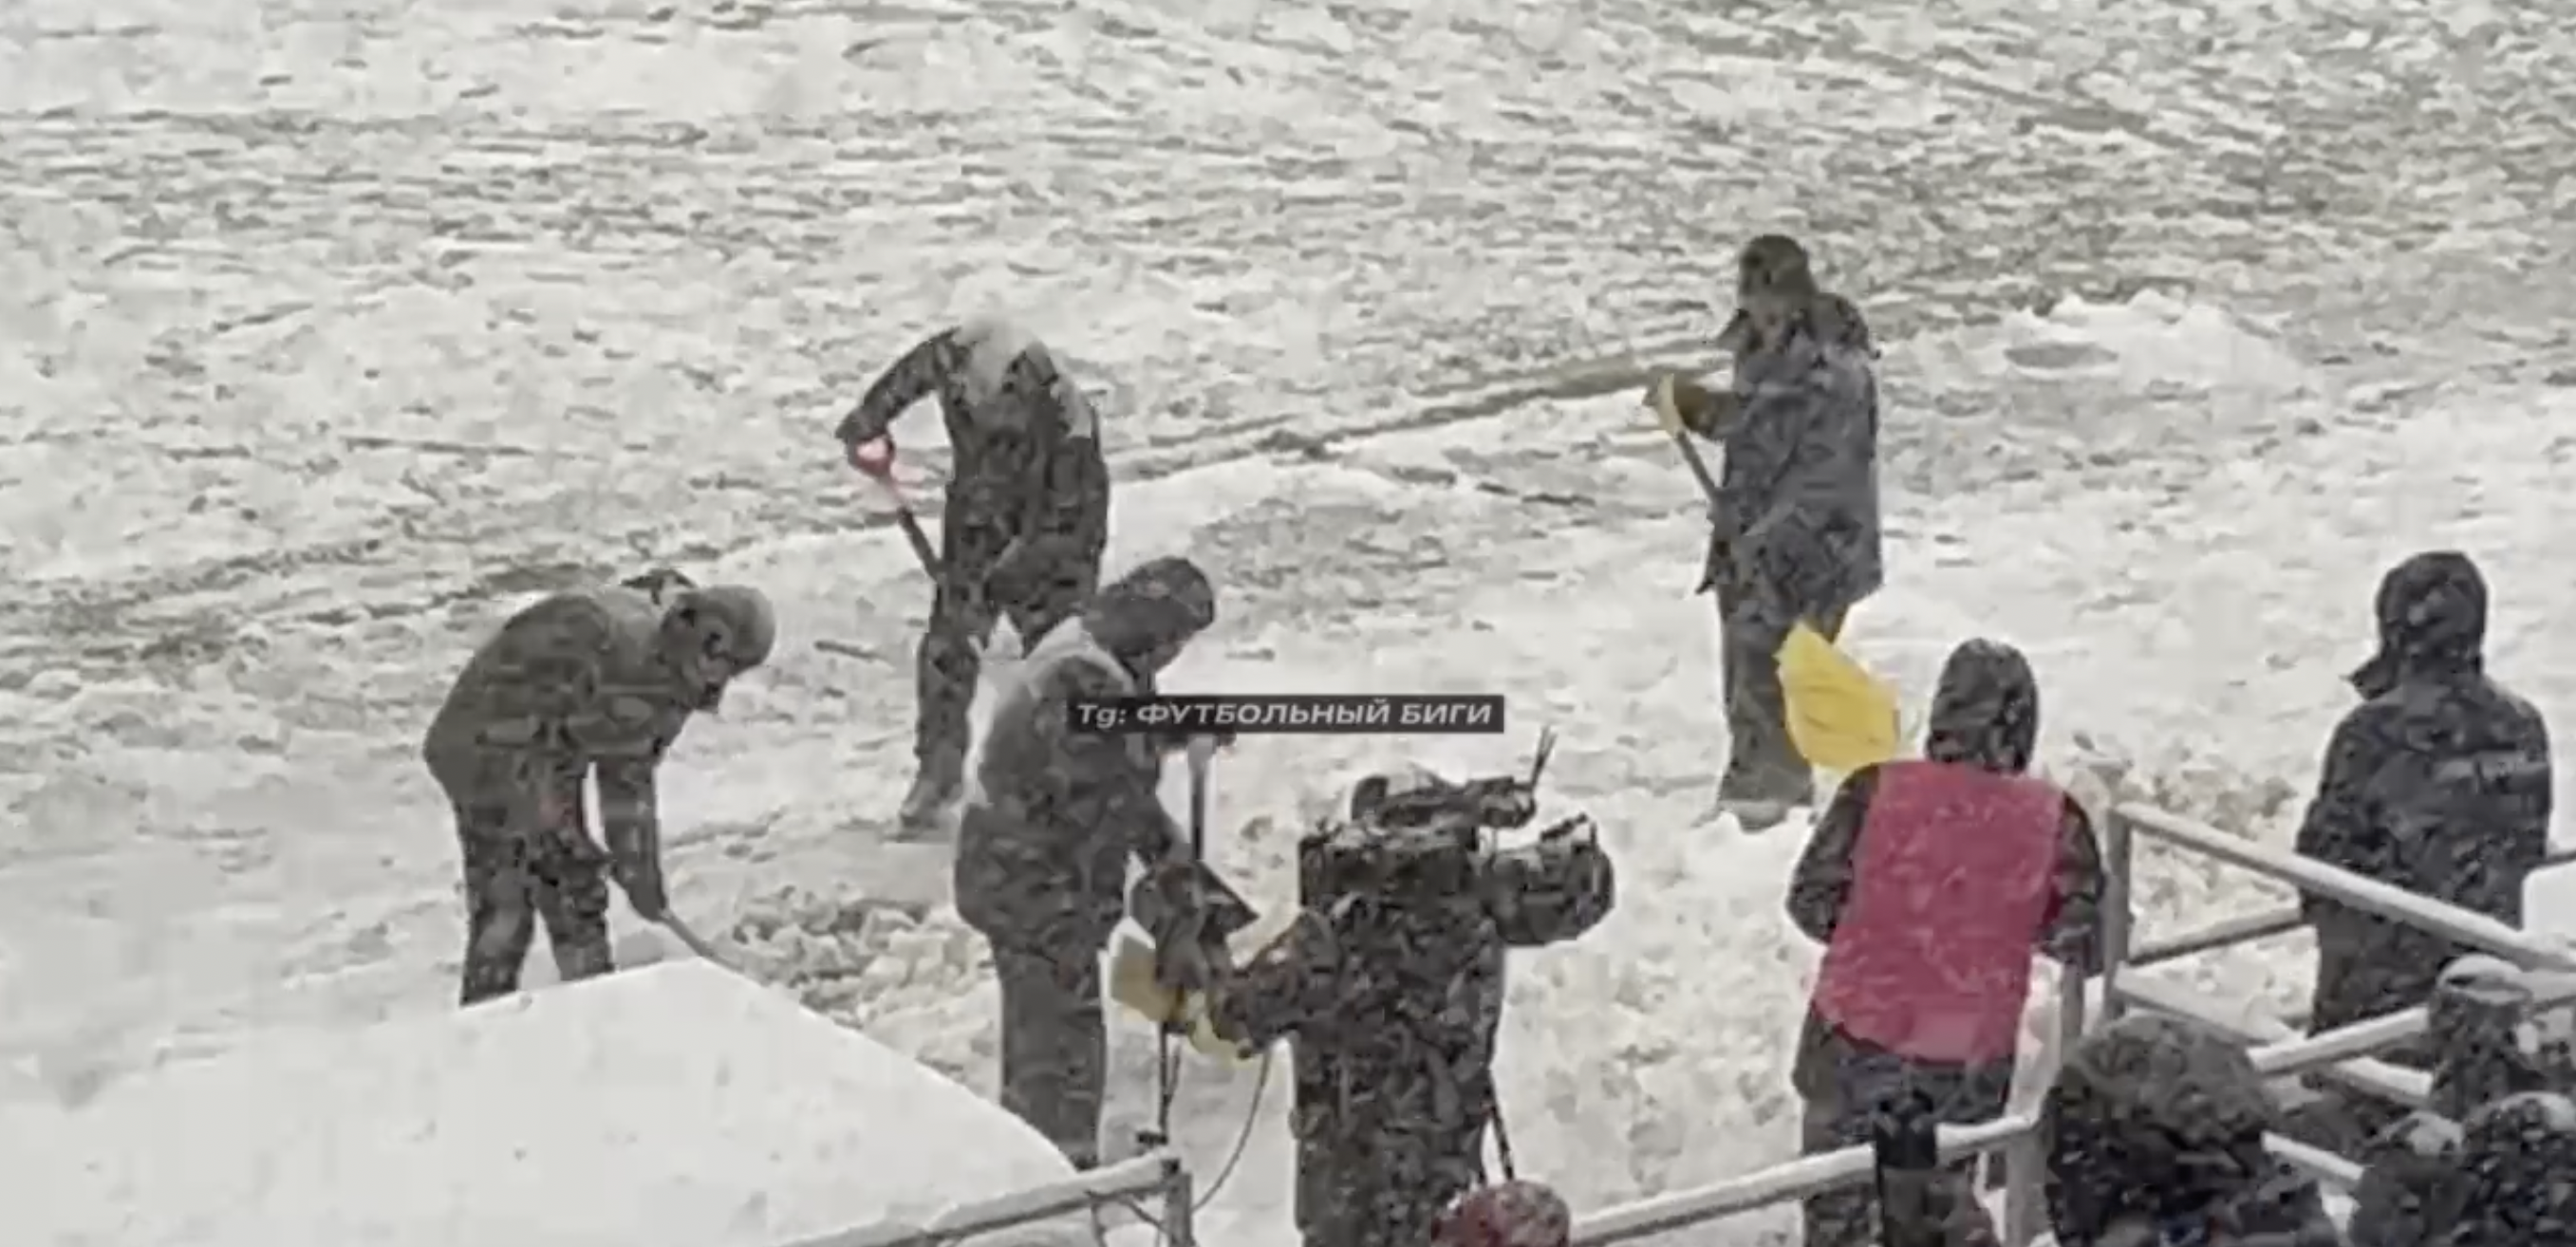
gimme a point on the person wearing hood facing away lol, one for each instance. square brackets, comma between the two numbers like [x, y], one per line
[1051, 820]
[1931, 883]
[1795, 525]
[2154, 1133]
[1026, 519]
[2439, 783]
[596, 683]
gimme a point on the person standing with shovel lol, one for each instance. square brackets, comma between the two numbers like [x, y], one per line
[1026, 520]
[1793, 510]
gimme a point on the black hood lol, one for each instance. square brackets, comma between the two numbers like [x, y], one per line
[1986, 713]
[1151, 612]
[2432, 612]
[2153, 1117]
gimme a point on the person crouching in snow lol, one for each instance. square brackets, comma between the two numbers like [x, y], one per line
[1930, 882]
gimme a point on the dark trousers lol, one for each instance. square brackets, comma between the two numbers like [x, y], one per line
[1839, 1113]
[1382, 1188]
[1762, 763]
[518, 874]
[2360, 978]
[1055, 1044]
[962, 613]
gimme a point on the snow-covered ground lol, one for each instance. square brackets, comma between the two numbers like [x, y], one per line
[676, 1103]
[329, 332]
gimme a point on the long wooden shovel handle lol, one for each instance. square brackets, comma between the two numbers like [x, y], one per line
[1698, 464]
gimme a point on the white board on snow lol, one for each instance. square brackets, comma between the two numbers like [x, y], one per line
[676, 1105]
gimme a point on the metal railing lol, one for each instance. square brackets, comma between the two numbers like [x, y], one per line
[2343, 1053]
[1157, 1176]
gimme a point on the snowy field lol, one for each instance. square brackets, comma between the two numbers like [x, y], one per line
[328, 333]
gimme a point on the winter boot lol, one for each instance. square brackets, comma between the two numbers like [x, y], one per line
[1754, 815]
[1759, 807]
[927, 808]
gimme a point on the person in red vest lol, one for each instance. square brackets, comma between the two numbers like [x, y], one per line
[1930, 883]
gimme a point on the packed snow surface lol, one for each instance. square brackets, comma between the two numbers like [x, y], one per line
[677, 1103]
[329, 333]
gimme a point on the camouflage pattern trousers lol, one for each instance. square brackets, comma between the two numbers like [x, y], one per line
[962, 615]
[1374, 1187]
[515, 880]
[1055, 1043]
[1762, 762]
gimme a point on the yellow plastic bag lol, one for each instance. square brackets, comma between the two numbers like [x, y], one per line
[1132, 985]
[1840, 717]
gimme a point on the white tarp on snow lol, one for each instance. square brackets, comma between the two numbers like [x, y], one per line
[677, 1105]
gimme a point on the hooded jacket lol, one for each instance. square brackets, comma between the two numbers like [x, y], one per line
[2439, 783]
[2155, 1127]
[1054, 814]
[1978, 747]
[1797, 505]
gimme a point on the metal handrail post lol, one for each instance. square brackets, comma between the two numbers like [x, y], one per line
[2450, 922]
[1180, 1204]
[2119, 859]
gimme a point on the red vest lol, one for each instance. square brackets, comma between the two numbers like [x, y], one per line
[1953, 877]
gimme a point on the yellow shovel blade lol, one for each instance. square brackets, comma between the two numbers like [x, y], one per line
[1841, 717]
[1132, 985]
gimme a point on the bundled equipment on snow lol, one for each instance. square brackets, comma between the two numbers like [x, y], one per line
[1389, 988]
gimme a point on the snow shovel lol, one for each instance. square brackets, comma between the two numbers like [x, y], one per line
[1841, 718]
[701, 945]
[1227, 911]
[1668, 416]
[911, 526]
[1135, 980]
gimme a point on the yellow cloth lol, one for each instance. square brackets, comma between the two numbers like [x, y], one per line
[1132, 985]
[1841, 717]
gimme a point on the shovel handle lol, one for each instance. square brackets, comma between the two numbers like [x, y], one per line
[697, 943]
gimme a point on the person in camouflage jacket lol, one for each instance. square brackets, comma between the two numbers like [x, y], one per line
[1389, 988]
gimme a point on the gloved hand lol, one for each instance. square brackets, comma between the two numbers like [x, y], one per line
[1663, 399]
[1503, 802]
[644, 890]
[1193, 964]
[1175, 901]
[874, 458]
